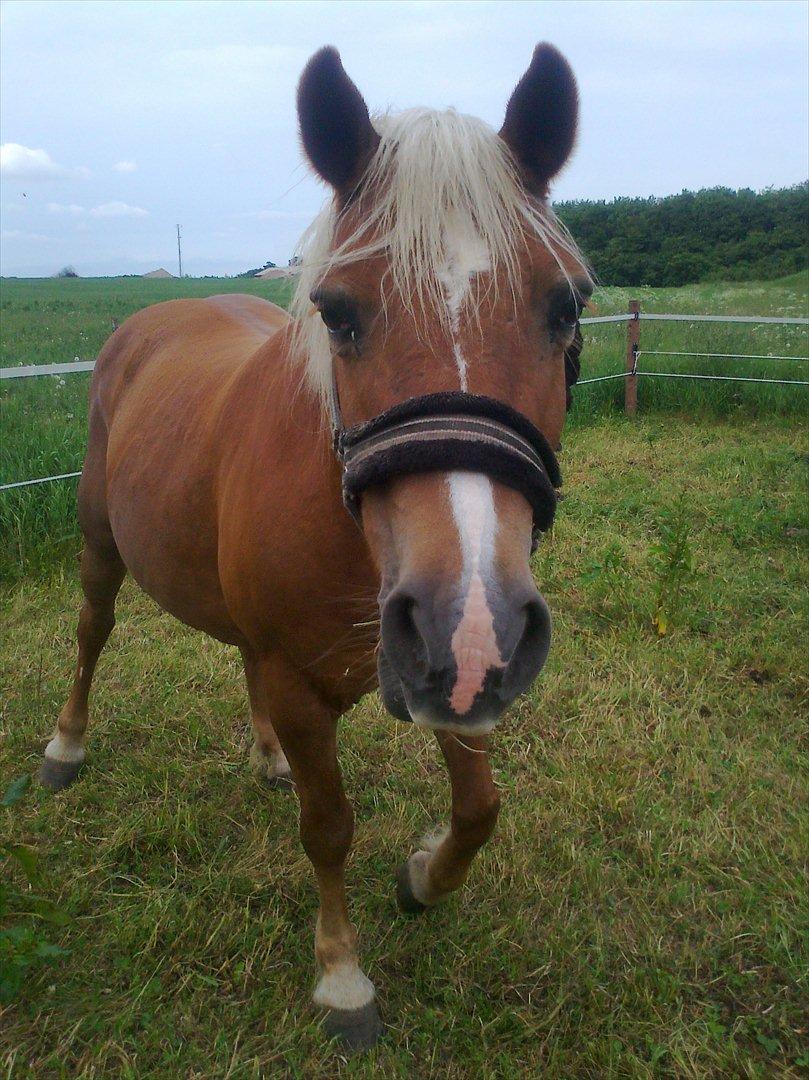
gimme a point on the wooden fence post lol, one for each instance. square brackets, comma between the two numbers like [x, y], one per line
[632, 348]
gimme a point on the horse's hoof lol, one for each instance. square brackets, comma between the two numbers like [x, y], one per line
[263, 768]
[57, 775]
[357, 1029]
[405, 897]
[277, 783]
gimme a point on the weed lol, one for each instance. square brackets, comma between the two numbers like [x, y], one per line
[608, 569]
[672, 563]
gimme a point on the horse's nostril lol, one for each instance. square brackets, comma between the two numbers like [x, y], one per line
[403, 641]
[531, 649]
[537, 616]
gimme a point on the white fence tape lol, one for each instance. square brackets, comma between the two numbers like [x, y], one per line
[30, 370]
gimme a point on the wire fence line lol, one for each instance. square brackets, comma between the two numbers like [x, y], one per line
[40, 480]
[26, 371]
[646, 316]
[773, 319]
[722, 355]
[717, 378]
[602, 378]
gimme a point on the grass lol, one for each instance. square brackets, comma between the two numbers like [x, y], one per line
[642, 910]
[44, 421]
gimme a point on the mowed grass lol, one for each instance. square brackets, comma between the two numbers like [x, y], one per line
[642, 910]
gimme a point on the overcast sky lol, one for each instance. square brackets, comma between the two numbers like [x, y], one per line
[121, 119]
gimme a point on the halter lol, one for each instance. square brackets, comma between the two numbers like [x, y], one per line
[444, 432]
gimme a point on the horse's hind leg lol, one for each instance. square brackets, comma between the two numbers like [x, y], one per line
[267, 759]
[102, 572]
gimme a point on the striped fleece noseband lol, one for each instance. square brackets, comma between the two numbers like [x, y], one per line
[445, 432]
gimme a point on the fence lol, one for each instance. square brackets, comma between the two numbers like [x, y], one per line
[631, 373]
[634, 352]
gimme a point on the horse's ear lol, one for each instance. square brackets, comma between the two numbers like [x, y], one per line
[336, 130]
[541, 116]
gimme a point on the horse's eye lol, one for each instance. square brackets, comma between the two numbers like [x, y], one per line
[566, 313]
[339, 316]
[565, 305]
[338, 322]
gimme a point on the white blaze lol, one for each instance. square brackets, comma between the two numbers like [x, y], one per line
[474, 643]
[466, 256]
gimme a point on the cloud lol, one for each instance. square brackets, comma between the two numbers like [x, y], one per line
[21, 163]
[117, 209]
[19, 234]
[105, 210]
[18, 162]
[125, 166]
[61, 208]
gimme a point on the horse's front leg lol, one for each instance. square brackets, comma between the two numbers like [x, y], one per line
[442, 865]
[307, 730]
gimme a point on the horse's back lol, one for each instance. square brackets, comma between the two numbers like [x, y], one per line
[155, 438]
[196, 337]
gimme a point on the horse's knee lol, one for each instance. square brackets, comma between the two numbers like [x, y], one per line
[327, 829]
[474, 821]
[96, 622]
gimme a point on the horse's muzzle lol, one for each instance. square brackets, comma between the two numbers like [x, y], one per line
[428, 675]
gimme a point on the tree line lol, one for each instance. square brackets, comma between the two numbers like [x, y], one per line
[708, 235]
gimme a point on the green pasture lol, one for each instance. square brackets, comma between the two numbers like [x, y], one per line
[643, 909]
[48, 321]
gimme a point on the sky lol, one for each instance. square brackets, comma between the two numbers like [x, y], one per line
[119, 120]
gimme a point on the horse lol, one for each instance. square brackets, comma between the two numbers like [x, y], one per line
[349, 493]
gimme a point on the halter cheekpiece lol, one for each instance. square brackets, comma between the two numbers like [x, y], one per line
[445, 432]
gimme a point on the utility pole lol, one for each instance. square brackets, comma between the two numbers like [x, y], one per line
[179, 252]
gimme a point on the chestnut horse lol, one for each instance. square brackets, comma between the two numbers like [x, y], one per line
[438, 275]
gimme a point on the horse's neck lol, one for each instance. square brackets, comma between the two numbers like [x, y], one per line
[271, 399]
[283, 448]
[287, 531]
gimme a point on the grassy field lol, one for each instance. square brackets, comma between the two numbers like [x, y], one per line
[642, 911]
[46, 321]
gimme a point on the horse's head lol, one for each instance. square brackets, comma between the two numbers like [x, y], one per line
[439, 268]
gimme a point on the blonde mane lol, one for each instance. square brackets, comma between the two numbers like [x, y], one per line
[430, 167]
